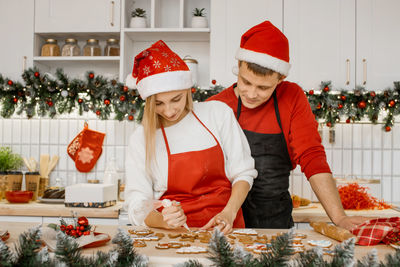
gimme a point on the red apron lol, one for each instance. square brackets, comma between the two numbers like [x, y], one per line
[197, 180]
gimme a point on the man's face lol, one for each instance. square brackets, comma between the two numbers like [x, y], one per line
[253, 89]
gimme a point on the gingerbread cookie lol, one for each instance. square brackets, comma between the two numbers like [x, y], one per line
[191, 250]
[320, 243]
[139, 244]
[245, 231]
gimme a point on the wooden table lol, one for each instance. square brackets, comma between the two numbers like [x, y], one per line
[169, 257]
[316, 212]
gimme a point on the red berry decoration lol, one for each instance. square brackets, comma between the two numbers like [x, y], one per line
[348, 120]
[86, 233]
[326, 89]
[372, 94]
[63, 228]
[319, 106]
[122, 98]
[340, 106]
[311, 92]
[107, 101]
[388, 128]
[392, 103]
[70, 227]
[37, 74]
[81, 228]
[80, 100]
[328, 124]
[343, 97]
[193, 90]
[130, 117]
[91, 75]
[126, 89]
[362, 104]
[15, 100]
[10, 82]
[50, 103]
[73, 232]
[98, 112]
[83, 220]
[214, 82]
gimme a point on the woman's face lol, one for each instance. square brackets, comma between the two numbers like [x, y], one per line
[171, 106]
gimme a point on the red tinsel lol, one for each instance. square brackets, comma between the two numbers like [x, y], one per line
[354, 196]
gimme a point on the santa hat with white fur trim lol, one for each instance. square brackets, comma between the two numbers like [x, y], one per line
[158, 69]
[267, 46]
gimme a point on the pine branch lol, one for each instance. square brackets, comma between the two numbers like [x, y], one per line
[370, 260]
[392, 260]
[220, 250]
[281, 251]
[309, 258]
[189, 263]
[344, 253]
[127, 255]
[68, 250]
[6, 256]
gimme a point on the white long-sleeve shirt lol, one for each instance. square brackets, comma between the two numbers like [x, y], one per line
[185, 136]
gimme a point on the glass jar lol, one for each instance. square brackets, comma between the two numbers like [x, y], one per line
[92, 48]
[112, 48]
[50, 48]
[70, 48]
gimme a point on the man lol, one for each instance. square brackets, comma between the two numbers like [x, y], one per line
[282, 132]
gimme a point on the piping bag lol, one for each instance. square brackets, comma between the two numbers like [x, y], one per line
[154, 204]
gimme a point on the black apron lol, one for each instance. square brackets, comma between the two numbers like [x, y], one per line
[268, 204]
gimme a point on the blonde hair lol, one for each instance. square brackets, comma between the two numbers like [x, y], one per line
[151, 122]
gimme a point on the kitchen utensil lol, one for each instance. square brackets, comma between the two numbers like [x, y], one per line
[44, 165]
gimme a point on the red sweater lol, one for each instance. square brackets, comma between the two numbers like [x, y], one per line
[298, 123]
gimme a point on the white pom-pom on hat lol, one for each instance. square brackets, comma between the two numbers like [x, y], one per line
[130, 82]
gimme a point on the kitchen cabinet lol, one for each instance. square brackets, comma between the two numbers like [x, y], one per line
[350, 42]
[16, 49]
[229, 20]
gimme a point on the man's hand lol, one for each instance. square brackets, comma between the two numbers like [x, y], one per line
[351, 222]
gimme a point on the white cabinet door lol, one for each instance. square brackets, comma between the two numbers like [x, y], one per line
[16, 29]
[378, 43]
[77, 15]
[229, 20]
[321, 37]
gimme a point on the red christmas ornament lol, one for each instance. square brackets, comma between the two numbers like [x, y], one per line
[122, 98]
[348, 120]
[126, 89]
[311, 92]
[343, 97]
[362, 104]
[392, 103]
[372, 94]
[107, 102]
[50, 103]
[86, 233]
[91, 75]
[130, 117]
[98, 112]
[193, 90]
[319, 106]
[214, 82]
[15, 100]
[328, 124]
[326, 89]
[340, 106]
[83, 221]
[80, 100]
[37, 74]
[388, 128]
[70, 227]
[63, 228]
[10, 82]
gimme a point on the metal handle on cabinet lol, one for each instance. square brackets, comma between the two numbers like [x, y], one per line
[24, 63]
[364, 71]
[347, 71]
[112, 13]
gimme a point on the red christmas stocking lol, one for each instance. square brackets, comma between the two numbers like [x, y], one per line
[86, 149]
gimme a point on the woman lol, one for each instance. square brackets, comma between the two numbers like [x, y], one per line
[194, 154]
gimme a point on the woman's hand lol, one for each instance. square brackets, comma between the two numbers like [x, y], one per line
[174, 216]
[223, 221]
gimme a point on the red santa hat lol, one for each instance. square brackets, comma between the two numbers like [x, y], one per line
[158, 69]
[267, 46]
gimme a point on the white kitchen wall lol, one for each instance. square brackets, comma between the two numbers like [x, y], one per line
[361, 150]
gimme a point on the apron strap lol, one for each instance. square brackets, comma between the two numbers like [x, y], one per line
[216, 140]
[165, 140]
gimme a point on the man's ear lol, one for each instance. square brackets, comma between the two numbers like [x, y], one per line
[283, 77]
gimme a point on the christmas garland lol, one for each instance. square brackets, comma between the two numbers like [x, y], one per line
[29, 252]
[45, 95]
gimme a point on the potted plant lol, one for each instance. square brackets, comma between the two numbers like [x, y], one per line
[199, 20]
[10, 177]
[138, 19]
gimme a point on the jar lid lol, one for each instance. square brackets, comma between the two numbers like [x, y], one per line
[188, 59]
[112, 40]
[70, 40]
[93, 181]
[51, 41]
[94, 41]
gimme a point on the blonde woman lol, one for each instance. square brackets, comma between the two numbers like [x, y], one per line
[193, 154]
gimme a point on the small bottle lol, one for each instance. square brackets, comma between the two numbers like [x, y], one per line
[112, 48]
[111, 176]
[92, 48]
[50, 48]
[70, 48]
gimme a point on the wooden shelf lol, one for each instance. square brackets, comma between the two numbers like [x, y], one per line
[168, 34]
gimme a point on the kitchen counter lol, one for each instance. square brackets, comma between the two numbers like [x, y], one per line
[169, 257]
[315, 211]
[55, 210]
